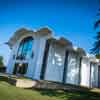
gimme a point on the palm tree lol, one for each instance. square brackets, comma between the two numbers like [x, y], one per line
[96, 46]
[97, 23]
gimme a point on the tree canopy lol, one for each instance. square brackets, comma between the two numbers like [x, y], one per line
[96, 46]
[1, 62]
[97, 24]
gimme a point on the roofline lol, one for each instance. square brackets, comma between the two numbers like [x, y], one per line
[15, 37]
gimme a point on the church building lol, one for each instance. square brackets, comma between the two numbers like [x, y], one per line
[41, 56]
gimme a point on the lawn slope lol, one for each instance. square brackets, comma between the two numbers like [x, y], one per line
[9, 92]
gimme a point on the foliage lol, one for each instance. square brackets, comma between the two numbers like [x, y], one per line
[96, 46]
[1, 62]
[97, 24]
[98, 56]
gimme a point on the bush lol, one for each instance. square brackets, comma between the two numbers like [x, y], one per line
[2, 69]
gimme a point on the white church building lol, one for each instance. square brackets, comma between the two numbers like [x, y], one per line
[41, 56]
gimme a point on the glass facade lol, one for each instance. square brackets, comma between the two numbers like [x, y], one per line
[25, 48]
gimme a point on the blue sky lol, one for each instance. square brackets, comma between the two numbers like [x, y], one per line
[72, 19]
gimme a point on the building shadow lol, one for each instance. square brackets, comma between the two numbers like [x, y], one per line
[70, 95]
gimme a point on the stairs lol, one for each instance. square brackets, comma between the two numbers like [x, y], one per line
[23, 83]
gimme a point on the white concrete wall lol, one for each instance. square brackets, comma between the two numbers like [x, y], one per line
[55, 63]
[72, 74]
[11, 61]
[35, 63]
[32, 61]
[94, 75]
[29, 60]
[85, 72]
[38, 59]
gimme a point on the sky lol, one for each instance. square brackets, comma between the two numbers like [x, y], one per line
[72, 19]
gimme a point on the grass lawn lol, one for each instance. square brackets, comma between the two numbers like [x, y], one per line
[9, 92]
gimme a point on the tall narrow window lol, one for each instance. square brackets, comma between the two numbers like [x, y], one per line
[25, 48]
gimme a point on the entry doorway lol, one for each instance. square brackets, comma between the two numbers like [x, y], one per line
[20, 68]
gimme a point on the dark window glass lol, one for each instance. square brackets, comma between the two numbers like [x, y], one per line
[25, 48]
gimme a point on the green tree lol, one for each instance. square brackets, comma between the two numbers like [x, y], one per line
[97, 23]
[96, 46]
[1, 62]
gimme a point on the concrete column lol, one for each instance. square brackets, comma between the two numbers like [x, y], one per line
[39, 51]
[11, 62]
[85, 72]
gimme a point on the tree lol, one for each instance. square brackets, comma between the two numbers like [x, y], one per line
[96, 46]
[97, 24]
[1, 62]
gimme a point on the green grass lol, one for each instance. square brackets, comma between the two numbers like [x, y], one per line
[9, 92]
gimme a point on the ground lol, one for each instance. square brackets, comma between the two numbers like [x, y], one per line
[10, 92]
